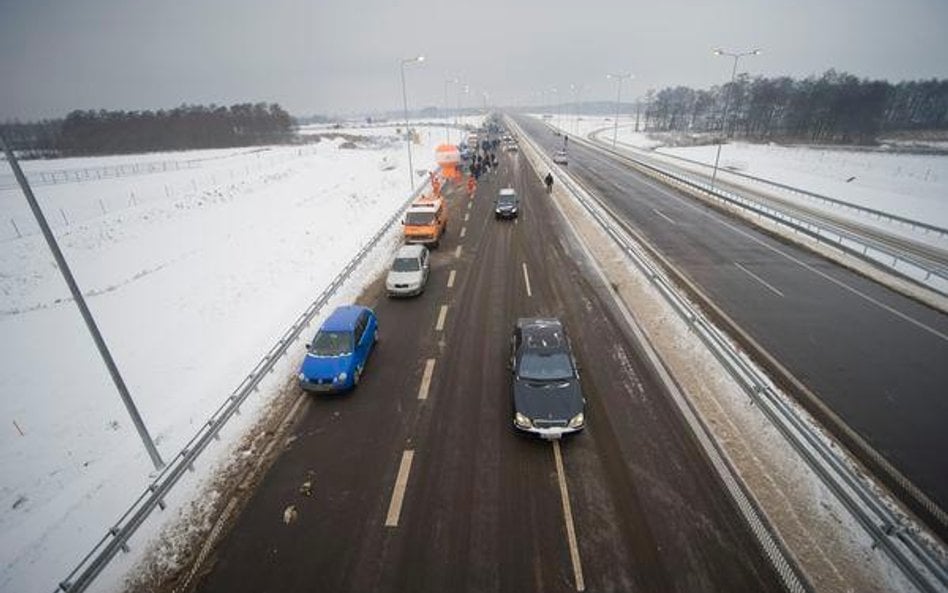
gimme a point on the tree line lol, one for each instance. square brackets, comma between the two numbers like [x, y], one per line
[91, 132]
[835, 107]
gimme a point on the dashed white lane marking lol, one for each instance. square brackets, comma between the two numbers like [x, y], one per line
[759, 279]
[568, 517]
[398, 493]
[441, 316]
[467, 216]
[526, 280]
[426, 379]
[463, 231]
[457, 252]
[655, 210]
[808, 267]
[469, 204]
[451, 278]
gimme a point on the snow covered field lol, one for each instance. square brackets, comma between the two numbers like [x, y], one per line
[193, 264]
[909, 185]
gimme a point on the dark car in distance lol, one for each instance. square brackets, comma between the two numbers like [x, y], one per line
[507, 204]
[547, 396]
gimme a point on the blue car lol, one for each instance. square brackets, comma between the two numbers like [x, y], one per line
[337, 355]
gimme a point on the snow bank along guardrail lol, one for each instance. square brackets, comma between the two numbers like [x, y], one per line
[117, 536]
[907, 265]
[913, 224]
[890, 531]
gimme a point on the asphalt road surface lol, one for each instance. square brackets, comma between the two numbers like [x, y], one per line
[420, 483]
[877, 359]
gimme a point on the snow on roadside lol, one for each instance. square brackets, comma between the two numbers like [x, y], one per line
[192, 273]
[912, 186]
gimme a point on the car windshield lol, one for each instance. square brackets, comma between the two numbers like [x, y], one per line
[331, 344]
[507, 200]
[419, 218]
[546, 367]
[406, 264]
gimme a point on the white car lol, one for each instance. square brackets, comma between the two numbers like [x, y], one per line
[559, 157]
[409, 272]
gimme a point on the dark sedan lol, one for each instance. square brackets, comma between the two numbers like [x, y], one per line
[547, 396]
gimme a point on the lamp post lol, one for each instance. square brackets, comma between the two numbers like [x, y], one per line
[404, 62]
[727, 99]
[447, 128]
[559, 107]
[577, 89]
[84, 311]
[466, 90]
[615, 126]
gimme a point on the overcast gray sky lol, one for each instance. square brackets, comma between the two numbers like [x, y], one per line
[340, 57]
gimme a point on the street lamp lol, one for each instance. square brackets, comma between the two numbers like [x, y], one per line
[404, 62]
[559, 107]
[727, 99]
[577, 89]
[84, 311]
[466, 90]
[447, 129]
[619, 78]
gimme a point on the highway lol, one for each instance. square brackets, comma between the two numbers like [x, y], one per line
[861, 356]
[418, 482]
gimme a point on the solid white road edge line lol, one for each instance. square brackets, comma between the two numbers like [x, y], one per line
[441, 316]
[526, 279]
[398, 493]
[426, 379]
[568, 517]
[451, 278]
[758, 278]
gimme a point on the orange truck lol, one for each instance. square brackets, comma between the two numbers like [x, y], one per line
[426, 221]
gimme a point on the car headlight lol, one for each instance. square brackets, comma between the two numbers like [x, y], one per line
[302, 376]
[522, 421]
[577, 420]
[341, 377]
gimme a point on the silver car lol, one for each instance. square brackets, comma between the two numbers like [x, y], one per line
[409, 271]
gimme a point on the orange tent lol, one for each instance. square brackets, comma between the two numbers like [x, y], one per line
[448, 159]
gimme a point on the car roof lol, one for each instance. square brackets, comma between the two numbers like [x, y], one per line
[508, 192]
[426, 205]
[343, 318]
[542, 333]
[410, 251]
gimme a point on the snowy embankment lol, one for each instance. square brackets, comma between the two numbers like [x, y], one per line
[911, 186]
[193, 264]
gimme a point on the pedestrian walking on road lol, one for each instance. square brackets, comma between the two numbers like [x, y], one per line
[549, 182]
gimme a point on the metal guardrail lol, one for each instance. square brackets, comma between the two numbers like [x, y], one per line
[889, 531]
[116, 539]
[942, 232]
[911, 269]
